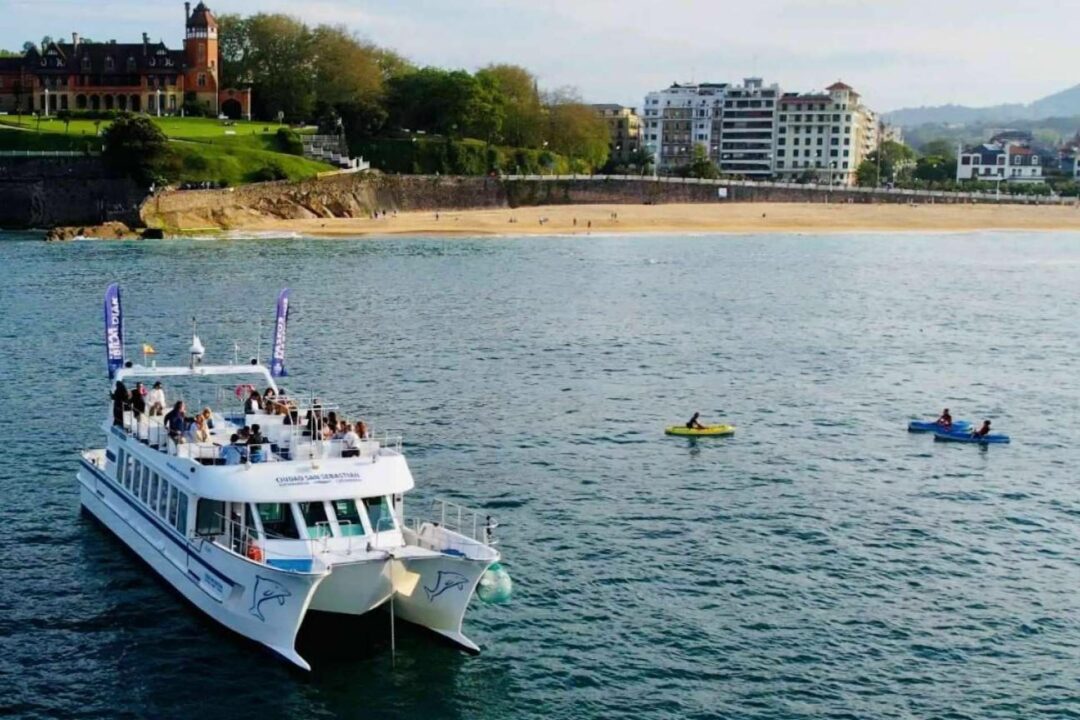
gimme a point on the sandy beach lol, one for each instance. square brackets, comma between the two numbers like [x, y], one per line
[731, 218]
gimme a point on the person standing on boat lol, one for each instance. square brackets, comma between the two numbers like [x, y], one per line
[694, 424]
[157, 400]
[233, 453]
[256, 442]
[138, 401]
[121, 401]
[254, 404]
[175, 422]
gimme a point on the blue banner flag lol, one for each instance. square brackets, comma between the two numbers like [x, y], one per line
[277, 365]
[114, 330]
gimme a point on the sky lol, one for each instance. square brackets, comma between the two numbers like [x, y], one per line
[897, 53]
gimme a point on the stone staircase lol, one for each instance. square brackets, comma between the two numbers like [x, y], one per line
[333, 150]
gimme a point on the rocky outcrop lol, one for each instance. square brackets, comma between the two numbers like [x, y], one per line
[111, 230]
[43, 193]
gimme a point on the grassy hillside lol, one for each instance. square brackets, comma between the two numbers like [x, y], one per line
[200, 149]
[457, 157]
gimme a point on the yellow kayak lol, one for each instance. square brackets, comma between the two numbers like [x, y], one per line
[709, 431]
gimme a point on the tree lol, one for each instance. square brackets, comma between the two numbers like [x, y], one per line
[28, 46]
[64, 116]
[133, 147]
[892, 158]
[576, 131]
[941, 148]
[274, 53]
[935, 169]
[9, 53]
[523, 113]
[451, 103]
[866, 175]
[701, 166]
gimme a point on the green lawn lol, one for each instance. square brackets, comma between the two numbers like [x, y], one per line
[200, 149]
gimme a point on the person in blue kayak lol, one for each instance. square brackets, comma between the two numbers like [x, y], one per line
[945, 420]
[694, 424]
[983, 431]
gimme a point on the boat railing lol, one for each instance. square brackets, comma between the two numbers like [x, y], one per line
[473, 524]
[244, 540]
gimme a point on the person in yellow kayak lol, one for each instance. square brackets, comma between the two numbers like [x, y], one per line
[694, 424]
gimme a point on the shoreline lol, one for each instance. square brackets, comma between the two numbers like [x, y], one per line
[702, 219]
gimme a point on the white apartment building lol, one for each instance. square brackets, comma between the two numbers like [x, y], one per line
[823, 137]
[734, 123]
[999, 162]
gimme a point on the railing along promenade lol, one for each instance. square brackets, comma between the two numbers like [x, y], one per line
[892, 193]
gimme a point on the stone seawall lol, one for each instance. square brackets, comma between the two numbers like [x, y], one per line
[44, 193]
[348, 196]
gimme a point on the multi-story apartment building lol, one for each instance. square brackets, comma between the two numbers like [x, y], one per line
[824, 136]
[757, 131]
[624, 127]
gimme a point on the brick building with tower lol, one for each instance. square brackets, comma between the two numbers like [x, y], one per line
[136, 77]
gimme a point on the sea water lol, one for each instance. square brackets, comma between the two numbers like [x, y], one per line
[822, 562]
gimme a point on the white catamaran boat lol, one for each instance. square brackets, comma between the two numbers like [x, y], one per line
[256, 536]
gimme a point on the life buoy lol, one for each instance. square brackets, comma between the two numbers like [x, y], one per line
[243, 390]
[254, 552]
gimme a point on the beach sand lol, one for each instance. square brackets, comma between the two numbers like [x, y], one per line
[696, 218]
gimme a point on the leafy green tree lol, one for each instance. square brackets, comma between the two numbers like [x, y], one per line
[450, 103]
[701, 166]
[9, 53]
[892, 158]
[133, 146]
[866, 175]
[276, 57]
[523, 112]
[935, 169]
[940, 148]
[576, 131]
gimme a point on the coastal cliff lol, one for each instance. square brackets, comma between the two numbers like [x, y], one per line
[46, 193]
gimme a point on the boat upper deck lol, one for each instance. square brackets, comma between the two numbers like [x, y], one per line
[284, 448]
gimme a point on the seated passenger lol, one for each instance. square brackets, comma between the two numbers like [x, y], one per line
[208, 417]
[362, 430]
[156, 400]
[175, 422]
[258, 445]
[694, 424]
[945, 420]
[983, 431]
[269, 397]
[254, 403]
[350, 443]
[233, 453]
[197, 431]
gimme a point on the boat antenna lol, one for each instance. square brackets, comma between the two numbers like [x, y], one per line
[235, 353]
[258, 344]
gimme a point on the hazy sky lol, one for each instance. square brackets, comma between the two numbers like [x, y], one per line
[896, 52]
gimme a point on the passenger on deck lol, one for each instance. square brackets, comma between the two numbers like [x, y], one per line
[208, 417]
[361, 430]
[175, 422]
[197, 431]
[694, 424]
[983, 431]
[254, 404]
[269, 398]
[945, 420]
[156, 400]
[121, 400]
[138, 401]
[350, 443]
[233, 453]
[257, 445]
[315, 421]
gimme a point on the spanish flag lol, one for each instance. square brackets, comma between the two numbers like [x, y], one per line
[148, 349]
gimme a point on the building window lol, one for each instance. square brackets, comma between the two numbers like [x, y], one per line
[780, 165]
[202, 80]
[110, 64]
[834, 153]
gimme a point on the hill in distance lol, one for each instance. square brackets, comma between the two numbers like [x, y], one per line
[1062, 104]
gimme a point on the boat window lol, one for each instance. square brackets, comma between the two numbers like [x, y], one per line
[151, 497]
[379, 515]
[121, 476]
[163, 499]
[210, 517]
[172, 506]
[181, 514]
[315, 518]
[348, 517]
[277, 520]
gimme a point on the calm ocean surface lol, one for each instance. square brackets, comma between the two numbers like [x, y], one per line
[820, 563]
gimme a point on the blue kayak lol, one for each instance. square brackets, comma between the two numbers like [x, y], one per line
[967, 437]
[920, 426]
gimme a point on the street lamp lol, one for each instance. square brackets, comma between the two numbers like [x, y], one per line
[46, 102]
[159, 102]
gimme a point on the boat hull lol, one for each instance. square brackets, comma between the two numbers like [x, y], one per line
[261, 603]
[354, 588]
[709, 431]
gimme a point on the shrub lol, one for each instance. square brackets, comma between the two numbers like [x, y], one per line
[133, 145]
[288, 141]
[269, 172]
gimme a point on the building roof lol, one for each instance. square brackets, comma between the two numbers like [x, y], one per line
[610, 107]
[93, 57]
[839, 86]
[10, 64]
[792, 98]
[201, 17]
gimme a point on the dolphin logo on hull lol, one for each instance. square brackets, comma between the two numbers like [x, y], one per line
[446, 580]
[266, 590]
